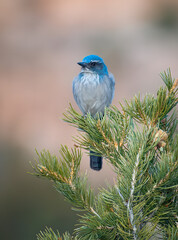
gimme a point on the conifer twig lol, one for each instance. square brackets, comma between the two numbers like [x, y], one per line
[129, 204]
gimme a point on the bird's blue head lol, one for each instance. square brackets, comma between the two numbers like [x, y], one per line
[93, 64]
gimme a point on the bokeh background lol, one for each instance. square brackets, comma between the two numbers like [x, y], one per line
[40, 43]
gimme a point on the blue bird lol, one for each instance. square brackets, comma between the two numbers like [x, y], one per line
[93, 90]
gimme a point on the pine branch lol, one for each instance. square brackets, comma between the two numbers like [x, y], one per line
[65, 174]
[48, 234]
[63, 170]
[142, 204]
[151, 110]
[171, 233]
[129, 204]
[106, 136]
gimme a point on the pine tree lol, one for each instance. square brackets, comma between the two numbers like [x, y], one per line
[141, 144]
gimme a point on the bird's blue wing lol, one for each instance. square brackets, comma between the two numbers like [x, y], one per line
[109, 86]
[112, 86]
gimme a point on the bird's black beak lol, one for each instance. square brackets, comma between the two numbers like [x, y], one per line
[82, 64]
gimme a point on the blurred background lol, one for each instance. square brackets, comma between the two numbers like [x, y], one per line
[40, 43]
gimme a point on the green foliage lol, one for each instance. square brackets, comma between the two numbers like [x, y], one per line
[48, 234]
[172, 233]
[64, 172]
[151, 110]
[142, 204]
[53, 168]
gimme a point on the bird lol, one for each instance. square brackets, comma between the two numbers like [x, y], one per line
[93, 90]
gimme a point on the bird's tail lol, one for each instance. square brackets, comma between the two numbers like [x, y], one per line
[95, 161]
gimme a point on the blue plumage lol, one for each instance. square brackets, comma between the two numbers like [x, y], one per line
[93, 90]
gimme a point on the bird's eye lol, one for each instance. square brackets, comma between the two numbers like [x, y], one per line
[92, 64]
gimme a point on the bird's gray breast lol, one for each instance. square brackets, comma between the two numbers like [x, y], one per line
[92, 93]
